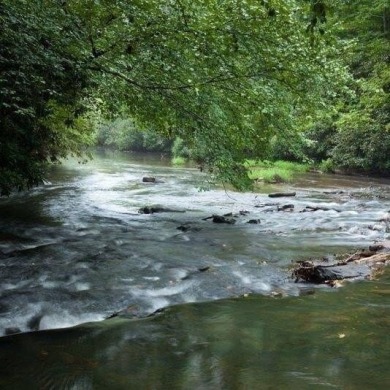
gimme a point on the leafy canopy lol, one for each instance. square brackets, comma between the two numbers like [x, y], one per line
[226, 75]
[42, 85]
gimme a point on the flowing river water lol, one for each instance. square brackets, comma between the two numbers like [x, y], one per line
[77, 250]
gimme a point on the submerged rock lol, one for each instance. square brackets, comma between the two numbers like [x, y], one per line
[158, 209]
[34, 322]
[187, 227]
[12, 330]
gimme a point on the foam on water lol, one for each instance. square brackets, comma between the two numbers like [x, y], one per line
[65, 319]
[79, 245]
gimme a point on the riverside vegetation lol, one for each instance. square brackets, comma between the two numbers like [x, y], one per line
[238, 87]
[271, 80]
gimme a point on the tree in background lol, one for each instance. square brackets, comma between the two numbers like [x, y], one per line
[363, 138]
[226, 75]
[356, 135]
[124, 134]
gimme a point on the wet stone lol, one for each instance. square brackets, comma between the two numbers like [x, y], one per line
[223, 219]
[188, 228]
[12, 330]
[286, 207]
[148, 179]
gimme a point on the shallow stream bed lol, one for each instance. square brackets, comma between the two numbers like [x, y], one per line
[77, 250]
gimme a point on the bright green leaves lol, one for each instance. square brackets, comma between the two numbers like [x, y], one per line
[223, 75]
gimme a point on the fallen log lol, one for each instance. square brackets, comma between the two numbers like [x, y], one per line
[360, 265]
[281, 194]
[312, 208]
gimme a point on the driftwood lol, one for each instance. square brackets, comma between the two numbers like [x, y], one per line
[311, 208]
[281, 194]
[362, 264]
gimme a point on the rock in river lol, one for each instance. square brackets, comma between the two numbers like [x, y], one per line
[362, 264]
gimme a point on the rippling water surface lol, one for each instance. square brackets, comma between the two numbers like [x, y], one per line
[77, 250]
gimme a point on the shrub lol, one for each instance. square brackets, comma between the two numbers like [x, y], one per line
[327, 166]
[179, 149]
[363, 143]
[178, 161]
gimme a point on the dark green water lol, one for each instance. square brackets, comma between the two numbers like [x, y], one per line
[335, 339]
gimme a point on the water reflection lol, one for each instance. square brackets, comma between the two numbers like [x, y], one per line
[332, 339]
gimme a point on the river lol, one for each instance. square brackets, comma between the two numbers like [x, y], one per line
[77, 250]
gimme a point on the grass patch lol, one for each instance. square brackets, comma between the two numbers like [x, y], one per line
[179, 161]
[271, 175]
[292, 166]
[274, 172]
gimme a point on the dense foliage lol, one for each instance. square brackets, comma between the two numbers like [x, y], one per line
[363, 138]
[357, 134]
[124, 134]
[41, 87]
[225, 76]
